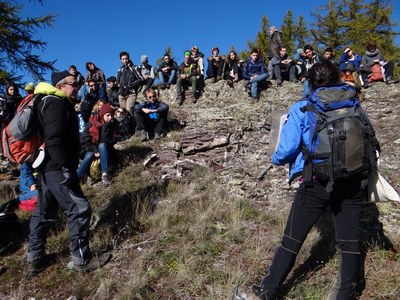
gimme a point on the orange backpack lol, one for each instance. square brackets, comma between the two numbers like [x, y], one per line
[21, 138]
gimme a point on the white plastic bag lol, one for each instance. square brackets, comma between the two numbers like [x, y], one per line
[380, 190]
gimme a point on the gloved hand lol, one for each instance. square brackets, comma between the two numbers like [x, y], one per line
[70, 177]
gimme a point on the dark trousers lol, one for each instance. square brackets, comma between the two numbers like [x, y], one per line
[143, 122]
[309, 204]
[181, 83]
[215, 70]
[285, 74]
[77, 209]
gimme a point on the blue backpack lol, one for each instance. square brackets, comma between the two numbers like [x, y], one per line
[342, 141]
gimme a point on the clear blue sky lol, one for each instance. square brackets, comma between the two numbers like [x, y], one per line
[97, 30]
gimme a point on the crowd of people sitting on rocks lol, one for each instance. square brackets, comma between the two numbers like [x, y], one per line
[109, 110]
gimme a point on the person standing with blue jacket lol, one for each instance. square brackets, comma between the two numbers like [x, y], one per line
[255, 72]
[311, 200]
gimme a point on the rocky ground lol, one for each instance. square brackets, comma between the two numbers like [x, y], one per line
[227, 132]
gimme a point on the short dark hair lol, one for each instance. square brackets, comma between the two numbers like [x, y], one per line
[255, 50]
[329, 49]
[122, 53]
[308, 47]
[72, 67]
[323, 73]
[111, 79]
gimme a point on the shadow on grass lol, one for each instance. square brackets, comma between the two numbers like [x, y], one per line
[372, 235]
[123, 213]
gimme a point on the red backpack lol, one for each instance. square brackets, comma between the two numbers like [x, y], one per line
[21, 138]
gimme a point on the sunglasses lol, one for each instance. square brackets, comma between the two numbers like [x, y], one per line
[120, 111]
[152, 97]
[73, 83]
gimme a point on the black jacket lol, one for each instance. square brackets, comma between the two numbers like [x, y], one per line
[58, 125]
[128, 79]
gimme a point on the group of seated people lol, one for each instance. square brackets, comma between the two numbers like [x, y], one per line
[109, 111]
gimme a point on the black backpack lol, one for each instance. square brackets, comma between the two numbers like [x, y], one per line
[342, 141]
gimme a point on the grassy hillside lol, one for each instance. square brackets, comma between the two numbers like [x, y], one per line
[195, 237]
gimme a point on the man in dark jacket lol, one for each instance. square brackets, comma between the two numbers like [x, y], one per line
[129, 81]
[273, 49]
[167, 71]
[255, 73]
[284, 67]
[58, 183]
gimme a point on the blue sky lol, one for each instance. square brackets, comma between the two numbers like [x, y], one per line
[97, 30]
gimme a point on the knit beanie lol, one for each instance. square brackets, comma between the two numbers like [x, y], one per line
[29, 87]
[187, 53]
[106, 108]
[144, 59]
[56, 77]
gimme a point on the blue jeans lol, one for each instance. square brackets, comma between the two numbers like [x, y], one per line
[306, 89]
[255, 82]
[89, 157]
[170, 77]
[309, 204]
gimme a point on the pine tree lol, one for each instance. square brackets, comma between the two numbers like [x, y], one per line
[328, 29]
[17, 43]
[288, 32]
[302, 34]
[261, 42]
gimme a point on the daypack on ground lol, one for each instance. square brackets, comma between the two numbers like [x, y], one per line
[21, 139]
[342, 141]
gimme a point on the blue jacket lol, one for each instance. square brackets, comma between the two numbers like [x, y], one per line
[295, 132]
[162, 109]
[344, 60]
[253, 68]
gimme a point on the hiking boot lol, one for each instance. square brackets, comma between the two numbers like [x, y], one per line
[89, 181]
[37, 266]
[229, 83]
[95, 263]
[214, 80]
[366, 84]
[236, 79]
[168, 85]
[144, 136]
[105, 179]
[294, 80]
[163, 86]
[219, 78]
[279, 82]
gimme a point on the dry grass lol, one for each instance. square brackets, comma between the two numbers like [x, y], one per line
[191, 240]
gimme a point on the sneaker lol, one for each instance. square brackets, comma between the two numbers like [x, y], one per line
[179, 100]
[94, 264]
[168, 85]
[157, 136]
[219, 78]
[144, 136]
[229, 83]
[214, 79]
[89, 181]
[391, 80]
[105, 179]
[366, 84]
[163, 86]
[279, 82]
